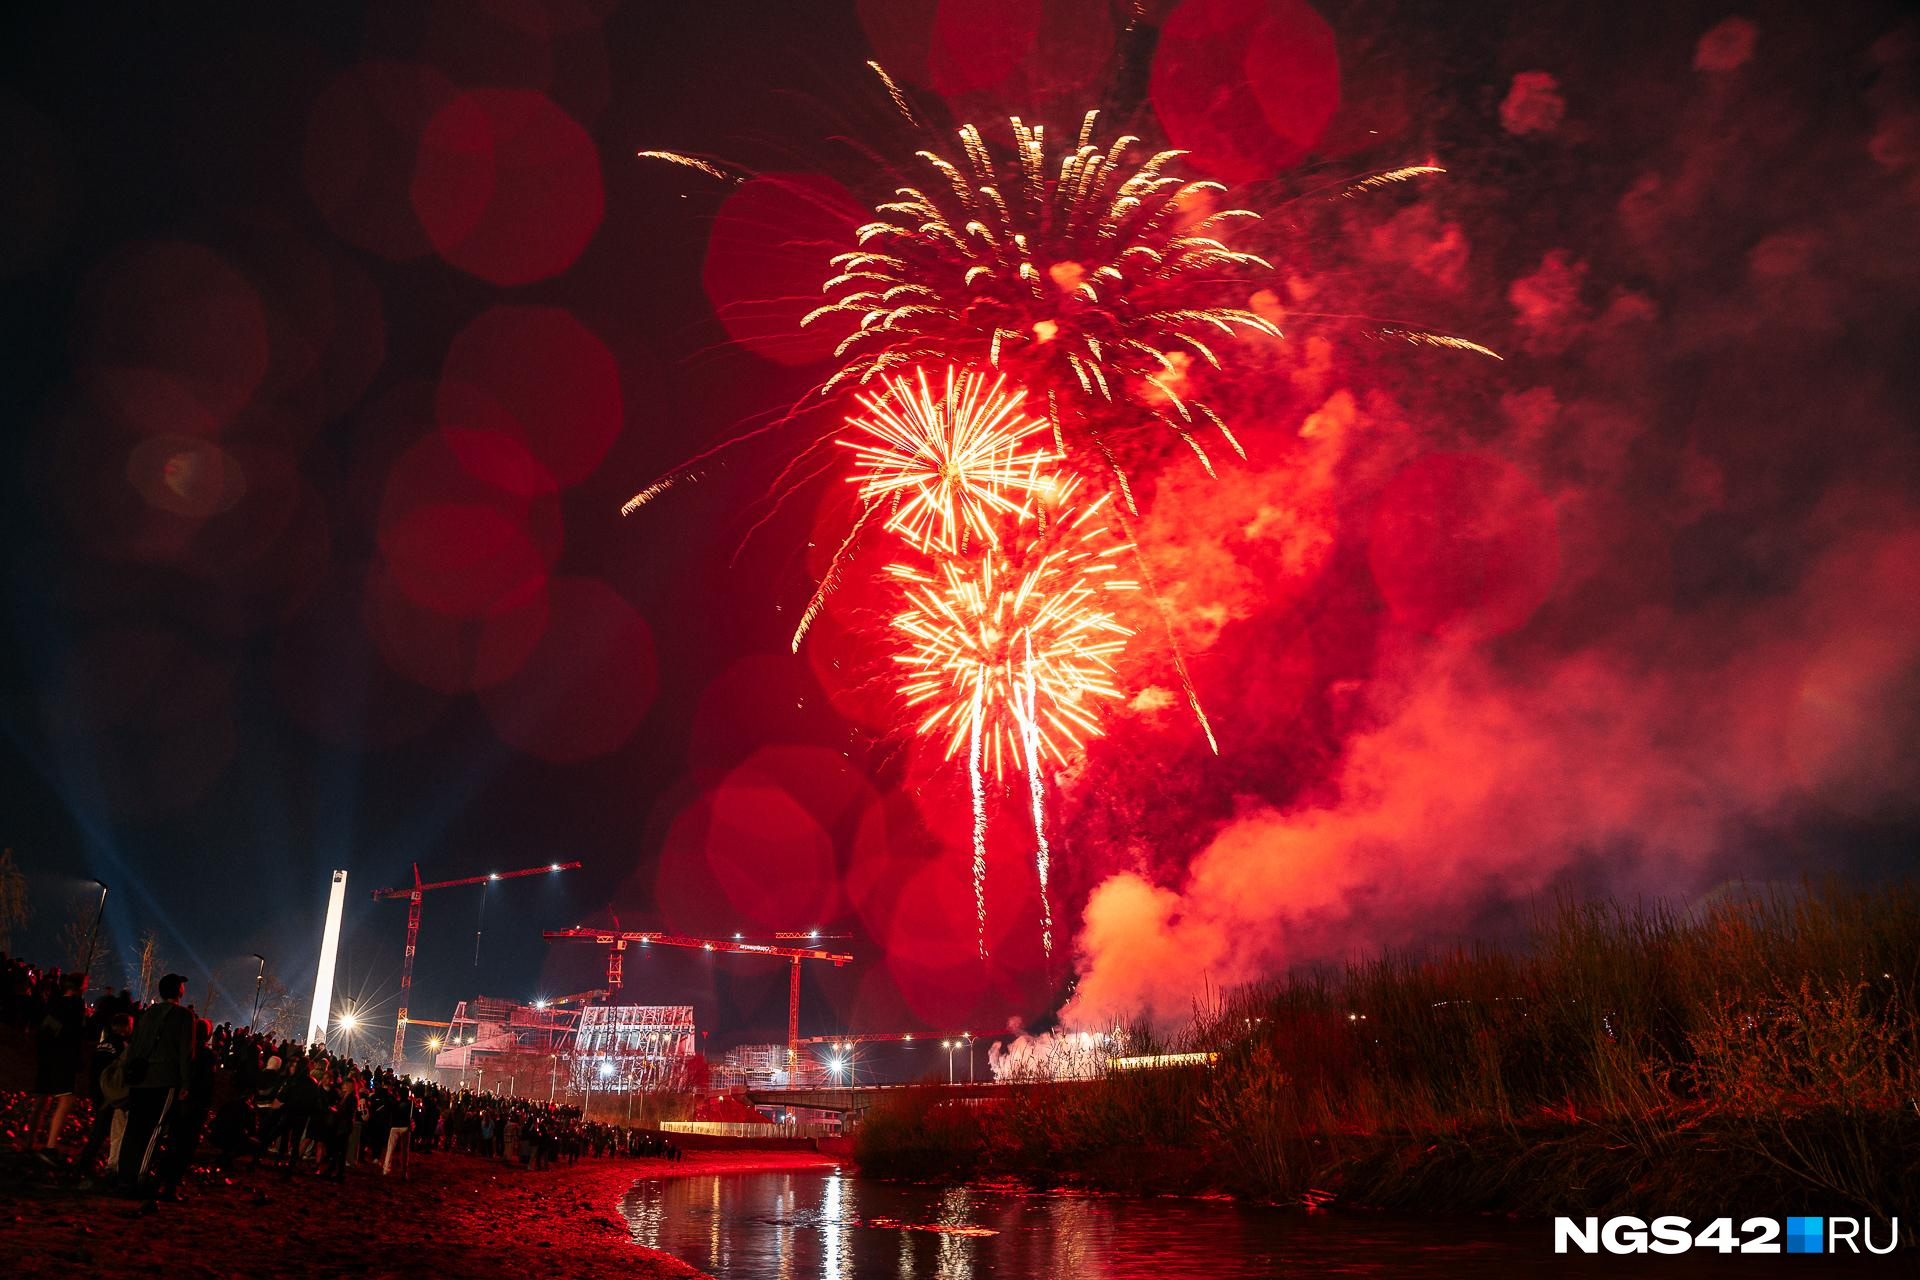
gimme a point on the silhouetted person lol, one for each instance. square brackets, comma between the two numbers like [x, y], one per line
[60, 1052]
[159, 1069]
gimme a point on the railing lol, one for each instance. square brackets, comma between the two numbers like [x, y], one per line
[730, 1129]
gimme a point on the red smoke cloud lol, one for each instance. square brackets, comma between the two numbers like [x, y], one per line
[1632, 613]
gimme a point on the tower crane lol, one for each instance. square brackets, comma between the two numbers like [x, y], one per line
[412, 895]
[617, 941]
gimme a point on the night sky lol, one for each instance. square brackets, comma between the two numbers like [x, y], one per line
[335, 341]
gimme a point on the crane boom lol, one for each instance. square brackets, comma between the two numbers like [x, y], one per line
[617, 941]
[486, 879]
[412, 896]
[659, 937]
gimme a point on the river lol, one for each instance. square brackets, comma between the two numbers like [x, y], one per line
[830, 1225]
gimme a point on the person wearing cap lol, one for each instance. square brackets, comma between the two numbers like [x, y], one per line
[159, 1068]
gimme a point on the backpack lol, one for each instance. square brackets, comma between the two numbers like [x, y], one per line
[120, 1077]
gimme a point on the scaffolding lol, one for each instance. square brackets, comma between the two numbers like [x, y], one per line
[633, 1047]
[765, 1066]
[547, 1052]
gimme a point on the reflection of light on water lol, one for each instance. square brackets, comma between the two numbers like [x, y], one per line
[783, 1226]
[833, 1255]
[894, 1224]
[956, 1250]
[714, 1236]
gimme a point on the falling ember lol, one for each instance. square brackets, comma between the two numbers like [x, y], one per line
[1036, 786]
[952, 464]
[976, 779]
[1082, 272]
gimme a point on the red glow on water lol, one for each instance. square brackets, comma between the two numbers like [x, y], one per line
[1247, 86]
[507, 186]
[529, 399]
[1463, 540]
[363, 135]
[174, 338]
[768, 253]
[587, 684]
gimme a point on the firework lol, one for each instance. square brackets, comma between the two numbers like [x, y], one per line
[1084, 273]
[952, 465]
[1016, 645]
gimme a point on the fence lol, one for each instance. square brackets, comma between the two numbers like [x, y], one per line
[729, 1129]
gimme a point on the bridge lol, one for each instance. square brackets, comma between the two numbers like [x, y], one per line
[858, 1097]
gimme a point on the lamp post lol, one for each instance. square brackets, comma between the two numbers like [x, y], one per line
[949, 1046]
[93, 934]
[969, 1059]
[259, 984]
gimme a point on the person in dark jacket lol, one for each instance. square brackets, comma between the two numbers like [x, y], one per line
[159, 1070]
[60, 1053]
[188, 1117]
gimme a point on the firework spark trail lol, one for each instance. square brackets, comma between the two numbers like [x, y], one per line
[977, 778]
[1166, 625]
[830, 580]
[900, 103]
[689, 470]
[691, 162]
[1422, 338]
[1036, 785]
[1373, 182]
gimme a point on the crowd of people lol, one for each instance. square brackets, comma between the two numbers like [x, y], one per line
[155, 1087]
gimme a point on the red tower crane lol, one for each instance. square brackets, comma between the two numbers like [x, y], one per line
[617, 940]
[412, 895]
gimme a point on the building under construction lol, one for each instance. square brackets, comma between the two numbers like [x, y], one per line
[544, 1050]
[766, 1066]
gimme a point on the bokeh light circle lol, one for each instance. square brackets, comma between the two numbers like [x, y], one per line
[529, 399]
[588, 682]
[1246, 86]
[507, 186]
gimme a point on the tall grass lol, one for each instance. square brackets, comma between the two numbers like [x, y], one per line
[1755, 1052]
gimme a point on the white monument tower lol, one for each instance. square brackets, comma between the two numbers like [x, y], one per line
[329, 948]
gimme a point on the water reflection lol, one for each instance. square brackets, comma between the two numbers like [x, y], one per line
[817, 1225]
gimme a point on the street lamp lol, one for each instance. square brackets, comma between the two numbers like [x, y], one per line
[259, 984]
[949, 1046]
[93, 934]
[969, 1039]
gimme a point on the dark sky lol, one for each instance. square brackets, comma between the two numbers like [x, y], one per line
[263, 279]
[215, 810]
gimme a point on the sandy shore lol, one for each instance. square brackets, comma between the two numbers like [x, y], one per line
[457, 1216]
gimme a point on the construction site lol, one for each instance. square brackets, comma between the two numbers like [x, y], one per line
[590, 1044]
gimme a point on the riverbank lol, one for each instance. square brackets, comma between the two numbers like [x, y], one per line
[457, 1215]
[1621, 1061]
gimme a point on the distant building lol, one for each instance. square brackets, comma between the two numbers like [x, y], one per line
[542, 1051]
[764, 1066]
